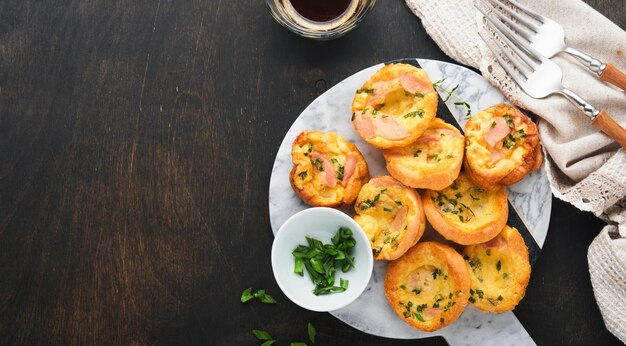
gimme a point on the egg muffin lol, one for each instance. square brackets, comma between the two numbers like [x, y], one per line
[394, 107]
[391, 215]
[428, 287]
[502, 146]
[465, 213]
[328, 171]
[433, 161]
[499, 271]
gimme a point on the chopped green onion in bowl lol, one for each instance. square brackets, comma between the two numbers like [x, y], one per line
[321, 259]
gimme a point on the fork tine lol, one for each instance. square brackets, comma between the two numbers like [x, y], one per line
[514, 14]
[525, 53]
[500, 29]
[509, 70]
[528, 11]
[506, 20]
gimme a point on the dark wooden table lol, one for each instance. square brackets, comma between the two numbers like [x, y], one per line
[136, 144]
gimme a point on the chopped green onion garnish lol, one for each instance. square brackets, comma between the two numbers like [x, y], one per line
[246, 295]
[419, 316]
[265, 298]
[298, 267]
[312, 332]
[419, 113]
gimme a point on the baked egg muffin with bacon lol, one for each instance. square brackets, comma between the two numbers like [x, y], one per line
[502, 146]
[499, 271]
[391, 215]
[395, 106]
[328, 171]
[428, 287]
[466, 213]
[433, 161]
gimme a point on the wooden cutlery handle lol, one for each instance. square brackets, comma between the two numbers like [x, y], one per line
[613, 75]
[606, 124]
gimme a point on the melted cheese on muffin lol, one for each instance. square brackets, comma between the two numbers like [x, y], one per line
[502, 146]
[327, 169]
[394, 107]
[428, 287]
[465, 213]
[391, 215]
[499, 271]
[431, 162]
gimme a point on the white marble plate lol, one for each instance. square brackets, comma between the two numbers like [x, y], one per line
[371, 313]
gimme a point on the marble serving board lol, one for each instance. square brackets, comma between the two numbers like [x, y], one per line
[530, 200]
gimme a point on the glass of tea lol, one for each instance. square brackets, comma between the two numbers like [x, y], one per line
[319, 19]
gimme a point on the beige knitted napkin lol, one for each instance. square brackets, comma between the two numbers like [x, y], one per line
[584, 166]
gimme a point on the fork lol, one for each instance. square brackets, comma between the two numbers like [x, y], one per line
[540, 77]
[548, 38]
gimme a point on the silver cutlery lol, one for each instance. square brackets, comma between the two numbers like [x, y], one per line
[548, 37]
[540, 77]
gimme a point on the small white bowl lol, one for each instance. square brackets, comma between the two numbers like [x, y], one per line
[321, 224]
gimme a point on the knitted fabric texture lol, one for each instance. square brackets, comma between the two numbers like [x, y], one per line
[585, 167]
[609, 281]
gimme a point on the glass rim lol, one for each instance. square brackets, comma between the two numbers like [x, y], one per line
[336, 32]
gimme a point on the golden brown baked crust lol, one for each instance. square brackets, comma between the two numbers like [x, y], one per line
[433, 161]
[502, 146]
[394, 107]
[465, 213]
[499, 271]
[314, 155]
[391, 215]
[428, 287]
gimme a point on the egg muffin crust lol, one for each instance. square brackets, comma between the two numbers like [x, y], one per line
[502, 146]
[499, 271]
[328, 171]
[395, 106]
[465, 213]
[433, 161]
[428, 287]
[391, 215]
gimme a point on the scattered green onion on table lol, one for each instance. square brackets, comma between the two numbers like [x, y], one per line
[321, 261]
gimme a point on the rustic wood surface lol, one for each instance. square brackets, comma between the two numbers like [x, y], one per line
[136, 145]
